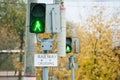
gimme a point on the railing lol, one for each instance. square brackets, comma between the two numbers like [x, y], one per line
[9, 75]
[11, 51]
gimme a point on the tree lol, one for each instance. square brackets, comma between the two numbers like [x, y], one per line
[12, 22]
[97, 61]
[98, 58]
[12, 19]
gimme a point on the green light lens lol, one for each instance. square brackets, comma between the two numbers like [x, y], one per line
[68, 49]
[38, 26]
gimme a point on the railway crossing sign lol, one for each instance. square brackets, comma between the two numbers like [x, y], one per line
[41, 60]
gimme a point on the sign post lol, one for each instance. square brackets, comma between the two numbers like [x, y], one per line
[72, 66]
[41, 15]
[45, 69]
[44, 60]
[71, 60]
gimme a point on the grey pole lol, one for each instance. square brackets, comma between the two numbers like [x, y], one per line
[62, 35]
[72, 65]
[29, 69]
[45, 49]
[45, 69]
[72, 70]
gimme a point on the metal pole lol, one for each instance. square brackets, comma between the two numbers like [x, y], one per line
[29, 69]
[62, 35]
[45, 51]
[72, 65]
[72, 72]
[45, 69]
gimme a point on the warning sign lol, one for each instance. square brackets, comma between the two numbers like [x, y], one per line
[45, 60]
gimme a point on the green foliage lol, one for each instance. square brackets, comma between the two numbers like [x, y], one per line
[6, 62]
[12, 20]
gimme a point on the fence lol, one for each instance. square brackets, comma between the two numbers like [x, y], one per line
[9, 75]
[7, 69]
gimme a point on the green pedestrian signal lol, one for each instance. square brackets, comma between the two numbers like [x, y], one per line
[37, 17]
[38, 26]
[68, 49]
[68, 44]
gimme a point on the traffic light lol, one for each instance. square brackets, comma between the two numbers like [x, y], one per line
[68, 44]
[37, 17]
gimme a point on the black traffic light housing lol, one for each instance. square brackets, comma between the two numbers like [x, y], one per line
[37, 17]
[68, 45]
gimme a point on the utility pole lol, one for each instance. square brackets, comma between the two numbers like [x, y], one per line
[62, 35]
[30, 50]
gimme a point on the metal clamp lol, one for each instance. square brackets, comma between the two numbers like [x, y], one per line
[46, 44]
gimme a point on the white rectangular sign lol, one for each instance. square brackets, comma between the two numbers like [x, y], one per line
[45, 60]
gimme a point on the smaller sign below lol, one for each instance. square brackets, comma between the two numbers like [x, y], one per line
[41, 60]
